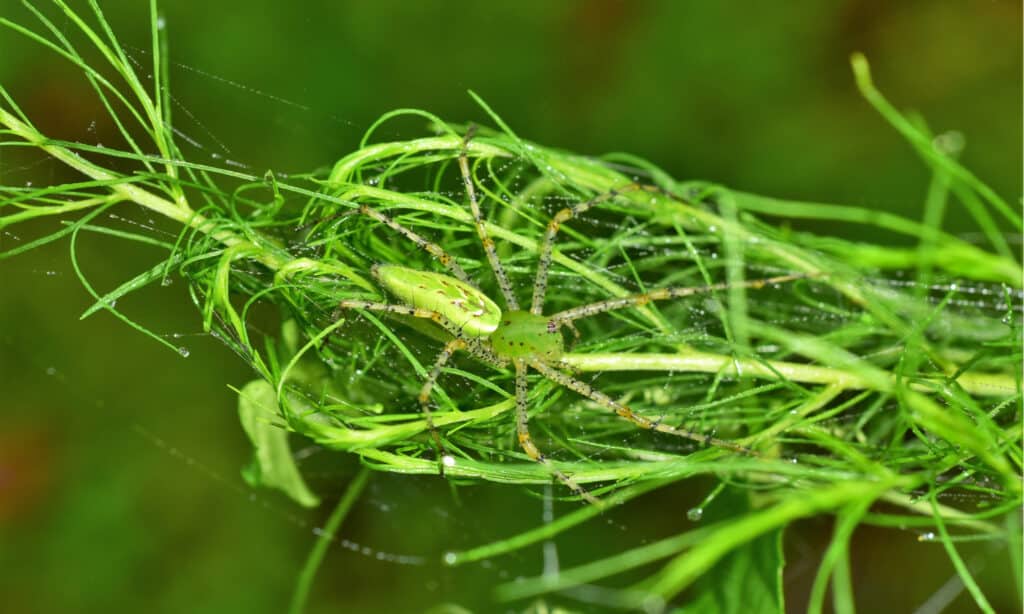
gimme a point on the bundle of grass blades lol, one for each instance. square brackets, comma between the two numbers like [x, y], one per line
[878, 375]
[726, 360]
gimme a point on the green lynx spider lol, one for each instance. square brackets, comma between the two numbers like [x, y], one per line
[526, 339]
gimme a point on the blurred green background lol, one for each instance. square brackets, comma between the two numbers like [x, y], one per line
[119, 485]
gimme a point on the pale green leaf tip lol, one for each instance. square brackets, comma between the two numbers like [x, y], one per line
[861, 68]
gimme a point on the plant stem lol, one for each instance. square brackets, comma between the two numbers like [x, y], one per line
[177, 211]
[982, 384]
[327, 535]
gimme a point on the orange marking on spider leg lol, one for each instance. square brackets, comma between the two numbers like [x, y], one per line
[561, 217]
[628, 414]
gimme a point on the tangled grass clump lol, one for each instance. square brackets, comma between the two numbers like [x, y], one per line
[890, 375]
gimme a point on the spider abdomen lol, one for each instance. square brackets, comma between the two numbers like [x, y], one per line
[465, 306]
[521, 334]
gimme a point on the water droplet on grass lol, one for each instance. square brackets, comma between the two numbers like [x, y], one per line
[695, 514]
[183, 351]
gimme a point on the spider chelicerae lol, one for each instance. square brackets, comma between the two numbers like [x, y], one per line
[523, 338]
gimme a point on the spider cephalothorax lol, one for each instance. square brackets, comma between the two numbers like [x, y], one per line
[522, 334]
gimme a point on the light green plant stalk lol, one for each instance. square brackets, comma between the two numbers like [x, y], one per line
[877, 391]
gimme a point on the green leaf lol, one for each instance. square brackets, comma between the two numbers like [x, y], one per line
[272, 465]
[746, 580]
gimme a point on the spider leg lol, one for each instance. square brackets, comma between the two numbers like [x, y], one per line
[623, 411]
[424, 397]
[540, 284]
[526, 442]
[481, 230]
[430, 247]
[477, 347]
[575, 333]
[661, 294]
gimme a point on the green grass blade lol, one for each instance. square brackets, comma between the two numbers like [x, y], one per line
[324, 540]
[958, 563]
[862, 75]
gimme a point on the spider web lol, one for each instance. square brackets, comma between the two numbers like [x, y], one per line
[401, 501]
